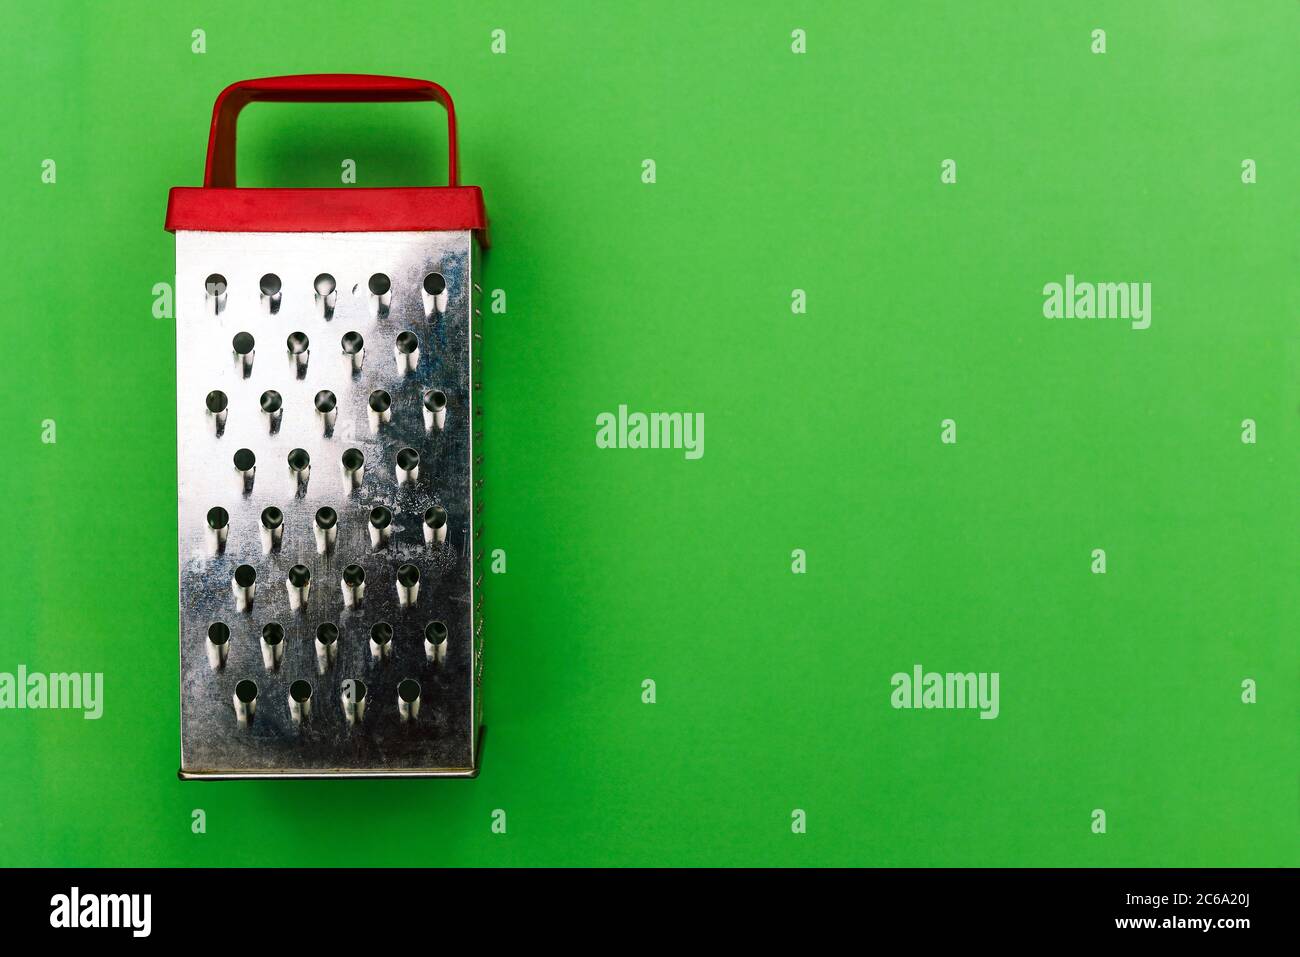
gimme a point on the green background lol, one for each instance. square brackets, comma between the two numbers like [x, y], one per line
[776, 172]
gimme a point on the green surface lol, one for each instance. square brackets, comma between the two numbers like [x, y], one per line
[775, 171]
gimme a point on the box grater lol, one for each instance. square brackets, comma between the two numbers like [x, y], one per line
[327, 432]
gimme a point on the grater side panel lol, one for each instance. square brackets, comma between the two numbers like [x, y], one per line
[478, 551]
[441, 739]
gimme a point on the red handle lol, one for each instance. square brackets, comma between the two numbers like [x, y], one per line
[314, 88]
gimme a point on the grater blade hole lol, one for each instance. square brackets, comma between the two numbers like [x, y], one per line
[353, 343]
[408, 690]
[434, 284]
[327, 633]
[273, 633]
[435, 517]
[408, 575]
[381, 633]
[408, 459]
[299, 460]
[297, 343]
[380, 401]
[271, 401]
[326, 517]
[380, 284]
[326, 401]
[245, 576]
[300, 691]
[215, 284]
[353, 459]
[242, 343]
[269, 284]
[435, 400]
[407, 343]
[217, 401]
[324, 284]
[218, 633]
[272, 517]
[245, 459]
[246, 691]
[218, 518]
[380, 517]
[299, 576]
[354, 575]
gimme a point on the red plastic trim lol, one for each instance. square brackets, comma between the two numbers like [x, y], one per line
[219, 206]
[328, 210]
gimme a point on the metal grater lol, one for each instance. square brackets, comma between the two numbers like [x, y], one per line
[327, 360]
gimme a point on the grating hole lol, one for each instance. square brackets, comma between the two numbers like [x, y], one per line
[326, 517]
[435, 517]
[327, 633]
[407, 343]
[380, 517]
[218, 633]
[299, 576]
[380, 401]
[218, 518]
[299, 460]
[297, 343]
[269, 284]
[324, 284]
[245, 575]
[353, 459]
[326, 401]
[352, 343]
[408, 575]
[381, 633]
[408, 459]
[354, 689]
[271, 401]
[435, 399]
[435, 632]
[434, 283]
[272, 517]
[273, 633]
[354, 575]
[215, 284]
[379, 284]
[300, 691]
[246, 691]
[408, 690]
[245, 459]
[242, 343]
[217, 401]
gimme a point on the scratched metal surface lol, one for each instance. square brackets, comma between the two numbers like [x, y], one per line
[442, 738]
